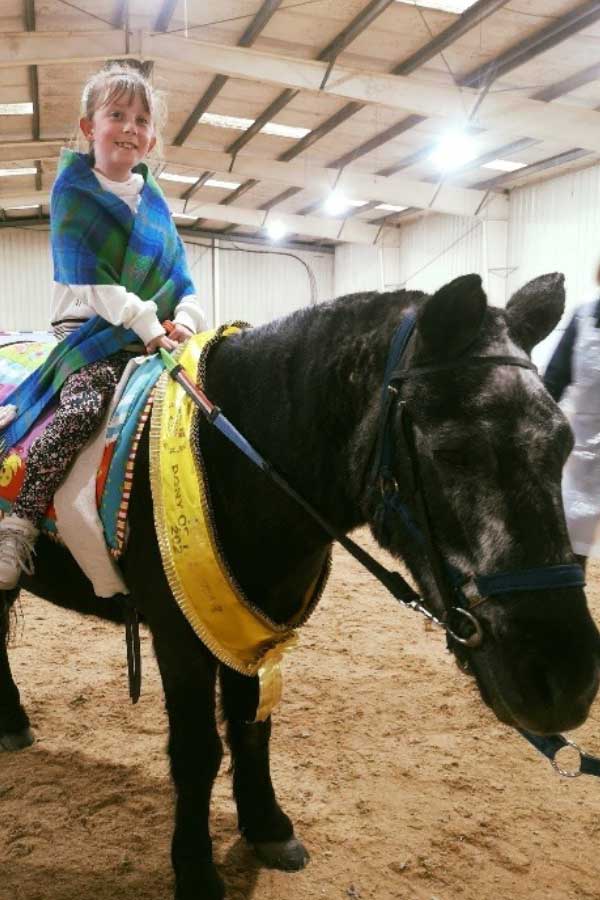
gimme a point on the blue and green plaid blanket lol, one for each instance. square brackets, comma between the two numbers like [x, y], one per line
[96, 239]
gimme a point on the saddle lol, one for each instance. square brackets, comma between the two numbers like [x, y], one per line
[20, 354]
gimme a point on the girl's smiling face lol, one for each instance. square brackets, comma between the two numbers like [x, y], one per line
[122, 133]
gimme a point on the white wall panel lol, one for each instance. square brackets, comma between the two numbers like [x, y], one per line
[249, 283]
[555, 227]
[199, 257]
[358, 268]
[25, 279]
[259, 286]
[433, 250]
[436, 249]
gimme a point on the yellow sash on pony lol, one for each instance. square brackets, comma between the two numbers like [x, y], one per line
[238, 634]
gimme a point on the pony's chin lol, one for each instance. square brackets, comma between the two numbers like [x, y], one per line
[518, 711]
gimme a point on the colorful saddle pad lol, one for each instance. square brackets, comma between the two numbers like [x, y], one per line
[19, 355]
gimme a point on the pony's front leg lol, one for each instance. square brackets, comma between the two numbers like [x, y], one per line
[260, 818]
[188, 674]
[15, 733]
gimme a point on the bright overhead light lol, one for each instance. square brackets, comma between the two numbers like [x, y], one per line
[228, 185]
[276, 230]
[16, 109]
[192, 179]
[6, 173]
[504, 165]
[186, 179]
[26, 206]
[336, 204]
[357, 202]
[289, 131]
[178, 215]
[453, 6]
[388, 207]
[240, 124]
[454, 149]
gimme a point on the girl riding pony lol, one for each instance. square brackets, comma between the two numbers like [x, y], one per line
[120, 271]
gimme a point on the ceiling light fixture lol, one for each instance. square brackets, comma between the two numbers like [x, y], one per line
[16, 109]
[276, 230]
[389, 207]
[240, 124]
[6, 173]
[453, 6]
[172, 176]
[504, 165]
[454, 149]
[228, 185]
[336, 204]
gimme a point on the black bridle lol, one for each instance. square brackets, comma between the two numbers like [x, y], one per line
[460, 592]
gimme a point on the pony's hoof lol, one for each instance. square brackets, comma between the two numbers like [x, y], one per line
[16, 740]
[290, 855]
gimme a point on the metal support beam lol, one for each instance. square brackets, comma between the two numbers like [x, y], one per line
[560, 88]
[533, 44]
[358, 24]
[120, 14]
[504, 152]
[342, 115]
[279, 198]
[253, 30]
[329, 53]
[189, 193]
[467, 20]
[382, 138]
[32, 71]
[165, 15]
[272, 109]
[207, 98]
[543, 165]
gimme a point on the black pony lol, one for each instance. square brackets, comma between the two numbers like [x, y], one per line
[306, 391]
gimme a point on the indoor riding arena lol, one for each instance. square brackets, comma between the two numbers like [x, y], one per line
[299, 449]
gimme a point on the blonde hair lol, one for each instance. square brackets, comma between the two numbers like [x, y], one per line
[118, 80]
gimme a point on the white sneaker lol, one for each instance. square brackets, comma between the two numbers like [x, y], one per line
[17, 539]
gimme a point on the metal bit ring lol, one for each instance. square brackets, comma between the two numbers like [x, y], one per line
[567, 773]
[475, 639]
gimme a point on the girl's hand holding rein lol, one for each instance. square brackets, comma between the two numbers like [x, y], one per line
[161, 341]
[177, 335]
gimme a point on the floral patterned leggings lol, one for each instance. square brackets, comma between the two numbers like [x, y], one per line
[84, 399]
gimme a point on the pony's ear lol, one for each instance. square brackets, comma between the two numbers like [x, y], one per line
[450, 320]
[535, 309]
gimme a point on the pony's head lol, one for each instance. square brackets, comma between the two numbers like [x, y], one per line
[489, 444]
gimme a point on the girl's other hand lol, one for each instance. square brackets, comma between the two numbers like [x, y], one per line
[179, 333]
[161, 341]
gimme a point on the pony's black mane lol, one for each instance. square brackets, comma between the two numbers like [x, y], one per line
[357, 313]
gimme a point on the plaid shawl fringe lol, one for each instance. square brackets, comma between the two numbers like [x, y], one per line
[96, 239]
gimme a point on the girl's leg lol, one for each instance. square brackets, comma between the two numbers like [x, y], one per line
[83, 402]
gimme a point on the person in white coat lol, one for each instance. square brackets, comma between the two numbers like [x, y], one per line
[573, 379]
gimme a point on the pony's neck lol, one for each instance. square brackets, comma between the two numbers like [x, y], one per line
[306, 391]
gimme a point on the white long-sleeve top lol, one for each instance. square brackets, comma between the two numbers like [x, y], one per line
[72, 304]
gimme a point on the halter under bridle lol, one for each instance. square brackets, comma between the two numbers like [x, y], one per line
[460, 592]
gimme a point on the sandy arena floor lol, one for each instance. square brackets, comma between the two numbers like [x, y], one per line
[400, 782]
